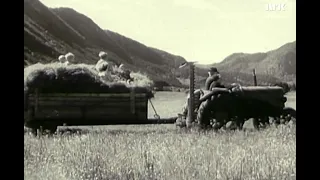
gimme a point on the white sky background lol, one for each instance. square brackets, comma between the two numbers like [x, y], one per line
[206, 31]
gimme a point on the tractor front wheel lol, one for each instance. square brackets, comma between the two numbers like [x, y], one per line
[288, 114]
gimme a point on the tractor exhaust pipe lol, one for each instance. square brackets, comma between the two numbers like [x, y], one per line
[190, 117]
[254, 77]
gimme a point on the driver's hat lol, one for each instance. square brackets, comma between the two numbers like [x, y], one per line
[214, 70]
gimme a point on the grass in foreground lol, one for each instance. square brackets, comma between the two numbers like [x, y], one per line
[158, 152]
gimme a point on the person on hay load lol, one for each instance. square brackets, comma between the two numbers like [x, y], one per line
[70, 58]
[105, 66]
[125, 73]
[63, 60]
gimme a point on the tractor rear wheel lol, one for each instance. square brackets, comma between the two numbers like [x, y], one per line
[256, 123]
[204, 114]
[239, 121]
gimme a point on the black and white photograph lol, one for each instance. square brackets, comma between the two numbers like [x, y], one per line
[160, 90]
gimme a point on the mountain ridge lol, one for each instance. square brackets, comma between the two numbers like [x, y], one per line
[279, 62]
[50, 32]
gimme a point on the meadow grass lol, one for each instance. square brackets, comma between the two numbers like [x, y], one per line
[162, 152]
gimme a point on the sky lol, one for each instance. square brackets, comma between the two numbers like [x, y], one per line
[206, 31]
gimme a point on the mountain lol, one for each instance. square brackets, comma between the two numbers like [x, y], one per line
[173, 61]
[50, 32]
[280, 63]
[274, 66]
[152, 59]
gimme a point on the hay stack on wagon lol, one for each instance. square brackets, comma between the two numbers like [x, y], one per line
[80, 78]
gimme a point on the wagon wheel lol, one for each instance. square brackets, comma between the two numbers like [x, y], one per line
[33, 129]
[204, 114]
[50, 128]
[288, 114]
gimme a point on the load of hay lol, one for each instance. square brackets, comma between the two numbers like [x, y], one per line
[81, 78]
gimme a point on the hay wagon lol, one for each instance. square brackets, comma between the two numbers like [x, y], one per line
[50, 110]
[75, 95]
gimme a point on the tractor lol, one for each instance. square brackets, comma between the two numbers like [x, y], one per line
[236, 104]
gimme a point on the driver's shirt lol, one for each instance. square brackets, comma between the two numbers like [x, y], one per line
[210, 80]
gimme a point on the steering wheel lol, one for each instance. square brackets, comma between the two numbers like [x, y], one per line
[201, 92]
[235, 86]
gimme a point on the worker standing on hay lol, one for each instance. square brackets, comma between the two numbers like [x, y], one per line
[63, 60]
[70, 58]
[213, 79]
[125, 73]
[109, 69]
[104, 66]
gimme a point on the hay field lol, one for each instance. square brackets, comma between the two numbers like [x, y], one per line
[163, 152]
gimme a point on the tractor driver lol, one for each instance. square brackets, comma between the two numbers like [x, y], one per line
[213, 79]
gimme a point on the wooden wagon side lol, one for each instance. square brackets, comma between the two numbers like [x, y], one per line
[80, 109]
